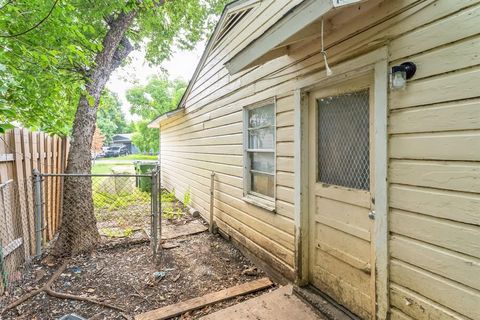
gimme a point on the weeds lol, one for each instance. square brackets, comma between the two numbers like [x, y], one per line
[112, 202]
[168, 212]
[170, 209]
[187, 198]
[117, 233]
[168, 196]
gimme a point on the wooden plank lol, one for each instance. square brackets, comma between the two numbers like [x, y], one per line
[419, 307]
[450, 116]
[455, 56]
[437, 33]
[341, 290]
[12, 246]
[48, 187]
[457, 146]
[448, 234]
[457, 297]
[450, 175]
[396, 314]
[63, 166]
[446, 263]
[21, 190]
[41, 168]
[208, 299]
[275, 248]
[355, 197]
[27, 163]
[55, 195]
[7, 157]
[456, 206]
[34, 148]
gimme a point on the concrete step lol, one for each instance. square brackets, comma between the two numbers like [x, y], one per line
[323, 303]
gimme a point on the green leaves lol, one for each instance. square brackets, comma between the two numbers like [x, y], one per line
[110, 119]
[159, 96]
[44, 72]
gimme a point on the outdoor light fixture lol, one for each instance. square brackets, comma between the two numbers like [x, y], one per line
[400, 75]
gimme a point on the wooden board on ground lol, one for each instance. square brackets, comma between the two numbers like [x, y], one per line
[171, 231]
[280, 304]
[203, 301]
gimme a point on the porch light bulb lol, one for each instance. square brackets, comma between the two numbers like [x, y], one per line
[400, 74]
[399, 79]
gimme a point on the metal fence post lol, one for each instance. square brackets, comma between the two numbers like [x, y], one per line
[159, 211]
[211, 226]
[154, 212]
[38, 219]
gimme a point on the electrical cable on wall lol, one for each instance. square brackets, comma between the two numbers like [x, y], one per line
[324, 53]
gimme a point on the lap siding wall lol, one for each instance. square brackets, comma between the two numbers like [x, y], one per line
[434, 145]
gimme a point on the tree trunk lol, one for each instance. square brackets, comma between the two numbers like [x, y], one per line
[78, 229]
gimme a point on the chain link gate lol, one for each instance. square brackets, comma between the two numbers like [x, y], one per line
[124, 205]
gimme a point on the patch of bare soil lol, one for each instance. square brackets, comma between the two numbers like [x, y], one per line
[126, 276]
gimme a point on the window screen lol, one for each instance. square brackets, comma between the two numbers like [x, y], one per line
[260, 150]
[343, 140]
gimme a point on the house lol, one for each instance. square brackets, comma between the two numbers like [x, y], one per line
[126, 140]
[344, 138]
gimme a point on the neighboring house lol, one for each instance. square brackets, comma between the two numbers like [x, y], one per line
[126, 140]
[369, 193]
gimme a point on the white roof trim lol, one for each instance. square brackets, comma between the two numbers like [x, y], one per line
[294, 21]
[156, 123]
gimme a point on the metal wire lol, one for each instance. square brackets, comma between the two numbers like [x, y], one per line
[343, 140]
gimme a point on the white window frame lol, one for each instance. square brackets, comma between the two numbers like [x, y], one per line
[252, 197]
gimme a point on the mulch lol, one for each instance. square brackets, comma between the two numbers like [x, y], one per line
[128, 277]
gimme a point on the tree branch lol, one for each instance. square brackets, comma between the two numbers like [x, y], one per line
[35, 26]
[6, 4]
[122, 52]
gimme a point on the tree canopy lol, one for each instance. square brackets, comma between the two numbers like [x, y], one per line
[110, 118]
[158, 96]
[48, 49]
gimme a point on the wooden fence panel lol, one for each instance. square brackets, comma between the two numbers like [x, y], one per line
[22, 151]
[21, 189]
[48, 188]
[28, 183]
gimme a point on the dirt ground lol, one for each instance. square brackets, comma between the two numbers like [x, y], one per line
[126, 276]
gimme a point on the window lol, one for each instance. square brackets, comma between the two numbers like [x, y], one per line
[259, 156]
[344, 140]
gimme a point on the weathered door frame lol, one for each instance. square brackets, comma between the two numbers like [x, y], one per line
[376, 63]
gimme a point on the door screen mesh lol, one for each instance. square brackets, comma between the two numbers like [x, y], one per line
[343, 140]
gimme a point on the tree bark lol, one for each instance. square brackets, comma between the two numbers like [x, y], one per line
[78, 229]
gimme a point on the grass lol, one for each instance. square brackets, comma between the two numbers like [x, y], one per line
[104, 165]
[137, 157]
[100, 167]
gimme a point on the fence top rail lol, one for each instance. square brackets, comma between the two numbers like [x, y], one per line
[4, 184]
[97, 175]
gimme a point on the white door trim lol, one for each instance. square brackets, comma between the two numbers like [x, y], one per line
[376, 62]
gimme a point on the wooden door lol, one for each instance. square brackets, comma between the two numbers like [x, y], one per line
[341, 200]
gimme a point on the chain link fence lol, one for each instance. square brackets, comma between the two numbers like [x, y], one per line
[124, 206]
[12, 227]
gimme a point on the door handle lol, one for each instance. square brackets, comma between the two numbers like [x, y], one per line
[371, 215]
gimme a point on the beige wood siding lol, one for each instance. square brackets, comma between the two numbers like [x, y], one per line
[434, 144]
[435, 171]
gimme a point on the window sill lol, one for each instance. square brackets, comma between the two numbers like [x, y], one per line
[259, 202]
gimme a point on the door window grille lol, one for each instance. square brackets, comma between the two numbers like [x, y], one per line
[344, 140]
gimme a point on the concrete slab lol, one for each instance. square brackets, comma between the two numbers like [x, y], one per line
[281, 304]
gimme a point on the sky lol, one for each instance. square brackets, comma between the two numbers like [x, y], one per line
[181, 66]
